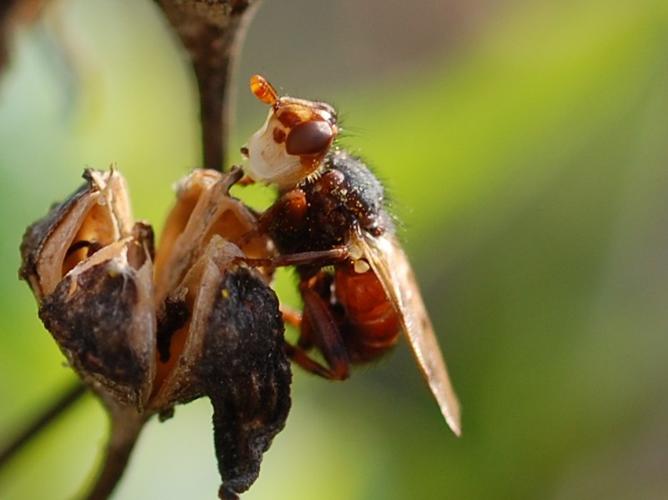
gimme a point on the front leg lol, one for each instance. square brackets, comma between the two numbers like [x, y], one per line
[291, 317]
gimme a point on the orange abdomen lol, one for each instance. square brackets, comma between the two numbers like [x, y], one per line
[372, 323]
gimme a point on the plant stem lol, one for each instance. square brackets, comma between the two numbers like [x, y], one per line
[65, 400]
[126, 425]
[212, 32]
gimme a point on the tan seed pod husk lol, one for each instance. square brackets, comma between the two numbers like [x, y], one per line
[90, 269]
[204, 208]
[192, 300]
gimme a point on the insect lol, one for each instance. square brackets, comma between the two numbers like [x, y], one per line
[330, 221]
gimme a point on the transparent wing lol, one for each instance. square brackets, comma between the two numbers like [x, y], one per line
[389, 262]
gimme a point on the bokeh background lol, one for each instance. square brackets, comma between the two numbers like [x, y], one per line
[525, 146]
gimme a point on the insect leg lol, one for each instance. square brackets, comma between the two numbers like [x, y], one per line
[291, 317]
[324, 333]
[319, 258]
[245, 181]
[299, 356]
[297, 321]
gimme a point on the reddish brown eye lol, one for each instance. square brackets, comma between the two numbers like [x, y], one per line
[309, 138]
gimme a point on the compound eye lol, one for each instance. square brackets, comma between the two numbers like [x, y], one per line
[309, 138]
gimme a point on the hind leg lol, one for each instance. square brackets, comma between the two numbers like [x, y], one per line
[319, 329]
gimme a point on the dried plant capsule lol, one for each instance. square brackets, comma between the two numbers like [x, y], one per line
[90, 269]
[230, 348]
[246, 375]
[183, 322]
[209, 327]
[96, 215]
[220, 331]
[204, 208]
[204, 212]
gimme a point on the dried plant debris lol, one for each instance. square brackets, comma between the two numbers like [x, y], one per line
[229, 348]
[243, 371]
[147, 333]
[204, 208]
[90, 269]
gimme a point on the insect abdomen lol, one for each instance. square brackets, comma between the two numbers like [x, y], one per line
[372, 323]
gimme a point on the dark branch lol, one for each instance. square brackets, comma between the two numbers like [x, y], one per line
[126, 425]
[12, 13]
[212, 32]
[64, 401]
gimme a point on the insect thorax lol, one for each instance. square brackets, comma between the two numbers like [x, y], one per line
[344, 196]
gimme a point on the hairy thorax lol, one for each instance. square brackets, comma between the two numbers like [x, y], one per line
[320, 213]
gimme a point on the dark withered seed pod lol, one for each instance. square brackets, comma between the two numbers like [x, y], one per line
[89, 267]
[230, 349]
[220, 331]
[246, 375]
[147, 336]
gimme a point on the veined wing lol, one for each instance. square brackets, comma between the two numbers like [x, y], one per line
[389, 262]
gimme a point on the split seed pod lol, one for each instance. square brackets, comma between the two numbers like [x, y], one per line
[90, 269]
[220, 331]
[197, 323]
[204, 208]
[230, 349]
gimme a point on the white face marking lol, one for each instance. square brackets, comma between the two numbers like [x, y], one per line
[268, 161]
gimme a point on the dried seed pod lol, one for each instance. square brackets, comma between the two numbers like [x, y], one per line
[246, 375]
[220, 331]
[182, 325]
[90, 269]
[228, 345]
[210, 327]
[96, 215]
[204, 208]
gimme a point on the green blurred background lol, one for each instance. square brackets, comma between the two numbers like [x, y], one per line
[525, 146]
